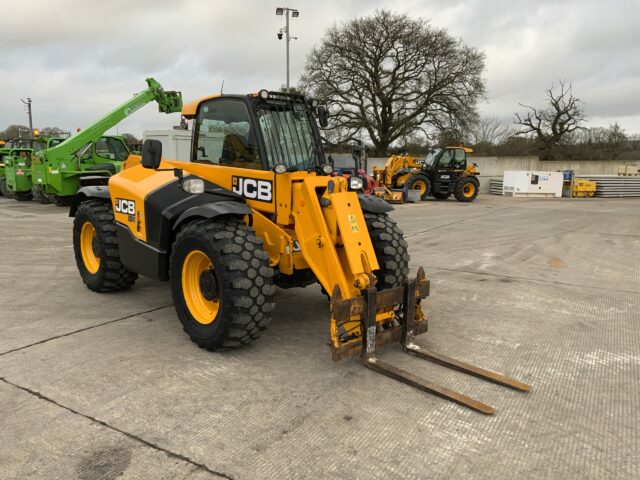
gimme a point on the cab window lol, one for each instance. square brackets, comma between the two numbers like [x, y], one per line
[447, 159]
[460, 159]
[225, 135]
[111, 149]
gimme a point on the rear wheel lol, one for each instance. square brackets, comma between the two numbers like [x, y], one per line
[95, 244]
[421, 183]
[221, 283]
[23, 196]
[466, 189]
[4, 190]
[39, 195]
[391, 250]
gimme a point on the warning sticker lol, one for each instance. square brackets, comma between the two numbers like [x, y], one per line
[353, 222]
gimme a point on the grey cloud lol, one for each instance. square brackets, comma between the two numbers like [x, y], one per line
[81, 58]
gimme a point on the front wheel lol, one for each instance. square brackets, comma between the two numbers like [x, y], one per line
[466, 189]
[420, 183]
[95, 244]
[391, 249]
[221, 283]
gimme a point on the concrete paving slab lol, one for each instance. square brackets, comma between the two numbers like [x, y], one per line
[280, 408]
[41, 440]
[41, 293]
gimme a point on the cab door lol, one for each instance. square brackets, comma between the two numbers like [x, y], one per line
[444, 171]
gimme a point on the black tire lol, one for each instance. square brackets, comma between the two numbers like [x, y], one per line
[419, 182]
[39, 195]
[23, 196]
[440, 195]
[62, 201]
[243, 282]
[391, 250]
[4, 190]
[466, 189]
[111, 276]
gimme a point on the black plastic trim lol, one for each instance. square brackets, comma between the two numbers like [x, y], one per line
[140, 257]
[86, 193]
[212, 210]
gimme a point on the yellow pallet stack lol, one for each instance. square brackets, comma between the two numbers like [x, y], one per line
[583, 188]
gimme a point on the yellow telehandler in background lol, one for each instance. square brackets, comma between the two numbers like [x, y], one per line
[442, 173]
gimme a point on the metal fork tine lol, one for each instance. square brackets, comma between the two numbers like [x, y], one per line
[426, 386]
[449, 362]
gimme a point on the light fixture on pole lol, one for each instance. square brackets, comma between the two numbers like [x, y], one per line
[285, 31]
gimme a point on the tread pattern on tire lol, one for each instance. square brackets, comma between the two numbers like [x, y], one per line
[458, 191]
[112, 276]
[247, 275]
[391, 250]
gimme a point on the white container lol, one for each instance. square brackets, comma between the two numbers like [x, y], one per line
[532, 184]
[176, 144]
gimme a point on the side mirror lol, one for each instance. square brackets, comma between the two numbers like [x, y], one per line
[151, 153]
[323, 116]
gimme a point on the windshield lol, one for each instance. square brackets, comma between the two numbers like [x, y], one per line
[432, 155]
[288, 135]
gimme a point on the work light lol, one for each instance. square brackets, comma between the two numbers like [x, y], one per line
[193, 185]
[355, 183]
[327, 169]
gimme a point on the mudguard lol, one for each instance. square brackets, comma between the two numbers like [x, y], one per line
[212, 210]
[373, 204]
[85, 193]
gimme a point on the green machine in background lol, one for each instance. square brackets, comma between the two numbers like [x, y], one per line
[55, 172]
[15, 164]
[16, 154]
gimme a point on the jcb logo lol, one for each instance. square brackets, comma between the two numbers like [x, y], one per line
[252, 188]
[128, 207]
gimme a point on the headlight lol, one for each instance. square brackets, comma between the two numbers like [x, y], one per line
[280, 168]
[193, 185]
[327, 169]
[355, 183]
[263, 94]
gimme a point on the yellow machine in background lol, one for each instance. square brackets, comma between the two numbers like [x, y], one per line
[583, 188]
[442, 173]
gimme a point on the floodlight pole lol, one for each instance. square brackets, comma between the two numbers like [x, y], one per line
[286, 11]
[28, 106]
[288, 40]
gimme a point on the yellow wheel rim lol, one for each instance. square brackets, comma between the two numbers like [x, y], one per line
[420, 185]
[469, 189]
[202, 309]
[87, 238]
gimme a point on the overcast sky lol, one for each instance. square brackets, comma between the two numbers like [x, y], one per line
[77, 59]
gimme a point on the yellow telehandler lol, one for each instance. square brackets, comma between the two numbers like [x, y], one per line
[257, 208]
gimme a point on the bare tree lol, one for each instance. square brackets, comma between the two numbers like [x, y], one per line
[15, 131]
[488, 132]
[392, 76]
[616, 141]
[553, 125]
